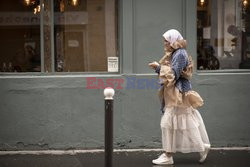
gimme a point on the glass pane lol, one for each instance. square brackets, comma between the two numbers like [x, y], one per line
[223, 34]
[20, 36]
[85, 35]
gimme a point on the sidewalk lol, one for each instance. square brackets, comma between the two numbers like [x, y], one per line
[216, 158]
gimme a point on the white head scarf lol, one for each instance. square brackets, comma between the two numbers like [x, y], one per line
[172, 36]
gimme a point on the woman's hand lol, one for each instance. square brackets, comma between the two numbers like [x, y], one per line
[153, 65]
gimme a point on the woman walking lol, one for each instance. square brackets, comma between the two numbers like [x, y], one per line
[182, 126]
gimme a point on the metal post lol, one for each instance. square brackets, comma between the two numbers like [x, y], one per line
[109, 93]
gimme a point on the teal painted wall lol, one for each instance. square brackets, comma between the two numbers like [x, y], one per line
[59, 112]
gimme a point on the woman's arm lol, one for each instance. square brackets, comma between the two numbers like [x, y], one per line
[179, 62]
[158, 69]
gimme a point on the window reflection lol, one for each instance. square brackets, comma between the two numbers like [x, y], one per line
[85, 34]
[77, 36]
[20, 36]
[223, 34]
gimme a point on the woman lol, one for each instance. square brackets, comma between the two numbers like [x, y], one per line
[182, 126]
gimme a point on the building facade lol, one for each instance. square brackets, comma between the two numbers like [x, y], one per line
[56, 57]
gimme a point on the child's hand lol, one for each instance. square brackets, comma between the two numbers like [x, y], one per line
[153, 65]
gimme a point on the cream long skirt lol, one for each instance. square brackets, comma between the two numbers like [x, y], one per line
[183, 130]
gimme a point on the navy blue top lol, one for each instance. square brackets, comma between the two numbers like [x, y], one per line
[179, 62]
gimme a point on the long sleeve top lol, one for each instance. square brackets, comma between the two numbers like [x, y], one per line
[179, 63]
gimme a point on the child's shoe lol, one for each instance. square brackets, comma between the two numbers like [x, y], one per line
[163, 160]
[203, 155]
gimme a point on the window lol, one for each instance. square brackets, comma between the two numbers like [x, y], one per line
[58, 36]
[20, 37]
[84, 42]
[223, 34]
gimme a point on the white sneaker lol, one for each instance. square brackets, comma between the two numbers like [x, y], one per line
[163, 160]
[203, 155]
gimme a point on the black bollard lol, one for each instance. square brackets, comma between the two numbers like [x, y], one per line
[109, 93]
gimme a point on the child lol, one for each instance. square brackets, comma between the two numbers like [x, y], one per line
[182, 126]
